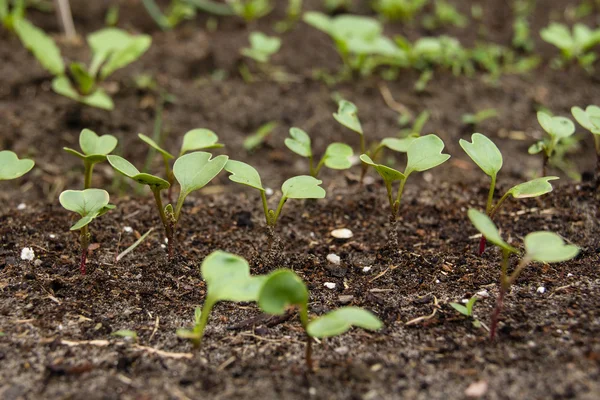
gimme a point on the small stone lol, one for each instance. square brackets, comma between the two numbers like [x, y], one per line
[163, 246]
[333, 258]
[21, 206]
[569, 275]
[27, 254]
[541, 290]
[343, 233]
[312, 391]
[52, 236]
[128, 229]
[330, 285]
[37, 263]
[345, 298]
[269, 192]
[342, 350]
[366, 269]
[483, 294]
[477, 389]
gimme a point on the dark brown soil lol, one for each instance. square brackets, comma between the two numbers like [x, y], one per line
[57, 324]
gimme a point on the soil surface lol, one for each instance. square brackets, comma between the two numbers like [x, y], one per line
[57, 324]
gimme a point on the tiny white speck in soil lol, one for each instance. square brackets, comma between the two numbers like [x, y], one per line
[366, 269]
[27, 254]
[269, 192]
[21, 206]
[343, 233]
[329, 285]
[541, 290]
[333, 258]
[128, 229]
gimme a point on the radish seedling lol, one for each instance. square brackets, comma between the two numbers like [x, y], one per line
[251, 10]
[283, 289]
[227, 278]
[11, 167]
[262, 47]
[94, 150]
[398, 9]
[89, 204]
[573, 46]
[590, 120]
[489, 158]
[558, 129]
[337, 155]
[467, 310]
[544, 247]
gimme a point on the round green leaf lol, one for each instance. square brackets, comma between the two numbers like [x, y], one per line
[89, 204]
[548, 247]
[195, 170]
[557, 127]
[92, 144]
[198, 139]
[303, 187]
[11, 167]
[399, 145]
[536, 147]
[484, 153]
[388, 174]
[589, 119]
[425, 153]
[338, 156]
[347, 115]
[341, 320]
[282, 289]
[155, 146]
[244, 174]
[533, 188]
[262, 46]
[299, 142]
[484, 224]
[129, 170]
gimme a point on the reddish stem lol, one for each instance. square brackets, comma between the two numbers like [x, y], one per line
[482, 243]
[84, 254]
[496, 314]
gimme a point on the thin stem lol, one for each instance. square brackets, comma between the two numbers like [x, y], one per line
[319, 166]
[513, 277]
[206, 309]
[498, 204]
[89, 168]
[278, 211]
[388, 187]
[490, 200]
[399, 195]
[375, 152]
[180, 201]
[263, 197]
[164, 219]
[503, 289]
[63, 10]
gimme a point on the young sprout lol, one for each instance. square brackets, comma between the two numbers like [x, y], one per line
[479, 117]
[573, 46]
[11, 167]
[489, 158]
[590, 120]
[284, 289]
[337, 155]
[94, 150]
[558, 128]
[227, 278]
[544, 247]
[398, 9]
[467, 310]
[258, 138]
[250, 10]
[11, 12]
[192, 171]
[444, 14]
[262, 47]
[89, 204]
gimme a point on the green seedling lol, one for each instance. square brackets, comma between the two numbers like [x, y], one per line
[444, 14]
[227, 278]
[257, 139]
[192, 171]
[262, 47]
[112, 49]
[522, 39]
[399, 9]
[250, 10]
[337, 5]
[489, 158]
[11, 11]
[293, 14]
[467, 310]
[126, 334]
[573, 46]
[283, 289]
[89, 204]
[180, 10]
[558, 129]
[479, 117]
[590, 120]
[337, 155]
[94, 150]
[11, 167]
[544, 247]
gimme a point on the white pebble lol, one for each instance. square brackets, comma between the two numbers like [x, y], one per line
[52, 236]
[333, 258]
[483, 294]
[541, 289]
[477, 389]
[163, 246]
[366, 269]
[21, 206]
[269, 192]
[330, 285]
[569, 275]
[128, 229]
[342, 233]
[437, 281]
[27, 254]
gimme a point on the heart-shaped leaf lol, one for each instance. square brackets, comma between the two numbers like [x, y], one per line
[195, 170]
[399, 145]
[299, 142]
[244, 174]
[589, 119]
[97, 98]
[11, 167]
[129, 170]
[484, 153]
[91, 143]
[89, 204]
[388, 174]
[282, 289]
[548, 247]
[425, 153]
[262, 47]
[341, 320]
[347, 115]
[198, 139]
[533, 188]
[338, 156]
[557, 127]
[303, 187]
[155, 146]
[486, 226]
[41, 45]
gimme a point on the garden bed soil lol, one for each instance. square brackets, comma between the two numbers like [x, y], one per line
[57, 324]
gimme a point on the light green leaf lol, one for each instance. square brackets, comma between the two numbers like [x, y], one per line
[198, 139]
[256, 139]
[388, 174]
[129, 170]
[11, 167]
[155, 146]
[318, 20]
[303, 187]
[484, 153]
[299, 142]
[126, 333]
[41, 45]
[244, 174]
[195, 170]
[282, 289]
[558, 35]
[338, 156]
[347, 115]
[262, 47]
[557, 127]
[341, 320]
[461, 309]
[89, 204]
[425, 153]
[548, 247]
[484, 224]
[533, 188]
[589, 119]
[536, 147]
[92, 144]
[98, 98]
[399, 145]
[114, 48]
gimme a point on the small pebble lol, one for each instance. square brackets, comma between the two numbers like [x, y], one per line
[569, 275]
[21, 206]
[330, 285]
[342, 350]
[37, 262]
[483, 294]
[477, 389]
[366, 269]
[163, 246]
[342, 233]
[269, 192]
[312, 391]
[52, 236]
[27, 254]
[345, 298]
[541, 290]
[333, 258]
[128, 229]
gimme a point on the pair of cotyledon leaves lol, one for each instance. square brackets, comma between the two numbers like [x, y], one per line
[88, 203]
[546, 247]
[489, 158]
[261, 47]
[556, 127]
[11, 167]
[572, 44]
[588, 118]
[337, 155]
[228, 279]
[94, 148]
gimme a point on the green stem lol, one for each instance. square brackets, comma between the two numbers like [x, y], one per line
[165, 220]
[278, 211]
[490, 200]
[263, 197]
[180, 201]
[319, 166]
[362, 144]
[206, 309]
[513, 277]
[376, 151]
[89, 168]
[399, 196]
[498, 204]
